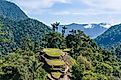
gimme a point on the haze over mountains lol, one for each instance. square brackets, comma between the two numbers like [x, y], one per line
[92, 30]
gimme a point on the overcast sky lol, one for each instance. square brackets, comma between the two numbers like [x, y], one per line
[72, 11]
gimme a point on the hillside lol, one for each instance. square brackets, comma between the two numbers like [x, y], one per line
[110, 38]
[89, 61]
[20, 27]
[32, 29]
[7, 43]
[93, 63]
[30, 50]
[25, 29]
[11, 10]
[21, 65]
[92, 30]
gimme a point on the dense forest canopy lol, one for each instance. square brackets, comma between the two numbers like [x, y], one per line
[92, 62]
[25, 29]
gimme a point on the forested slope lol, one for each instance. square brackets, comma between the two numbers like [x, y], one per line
[11, 10]
[111, 37]
[25, 29]
[93, 63]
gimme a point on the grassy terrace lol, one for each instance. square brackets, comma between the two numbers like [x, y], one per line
[53, 52]
[66, 50]
[60, 69]
[56, 74]
[55, 62]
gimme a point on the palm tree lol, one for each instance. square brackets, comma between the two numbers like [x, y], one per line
[55, 26]
[63, 30]
[73, 31]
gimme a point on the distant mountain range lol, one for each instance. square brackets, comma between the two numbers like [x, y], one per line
[11, 10]
[111, 37]
[92, 30]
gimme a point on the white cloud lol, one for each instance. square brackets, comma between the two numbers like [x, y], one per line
[86, 12]
[95, 6]
[91, 10]
[104, 4]
[107, 26]
[38, 4]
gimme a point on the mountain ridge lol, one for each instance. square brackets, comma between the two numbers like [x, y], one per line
[21, 27]
[111, 37]
[11, 10]
[93, 30]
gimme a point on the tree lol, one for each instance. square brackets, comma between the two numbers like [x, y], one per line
[55, 26]
[54, 39]
[63, 30]
[27, 43]
[34, 68]
[73, 32]
[76, 72]
[21, 65]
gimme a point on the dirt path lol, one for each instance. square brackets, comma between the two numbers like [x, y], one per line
[66, 77]
[66, 70]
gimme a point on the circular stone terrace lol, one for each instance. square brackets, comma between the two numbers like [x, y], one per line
[55, 62]
[53, 52]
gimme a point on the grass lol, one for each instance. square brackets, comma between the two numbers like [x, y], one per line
[73, 60]
[66, 50]
[53, 52]
[55, 68]
[55, 62]
[56, 74]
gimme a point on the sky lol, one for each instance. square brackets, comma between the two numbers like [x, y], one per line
[72, 11]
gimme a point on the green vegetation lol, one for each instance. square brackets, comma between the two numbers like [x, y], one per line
[56, 62]
[20, 32]
[20, 42]
[56, 74]
[53, 52]
[11, 10]
[54, 39]
[66, 50]
[110, 38]
[7, 43]
[92, 62]
[21, 65]
[88, 60]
